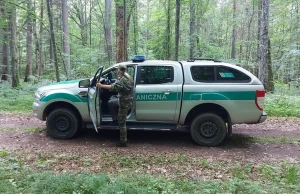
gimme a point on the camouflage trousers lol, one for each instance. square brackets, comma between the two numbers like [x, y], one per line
[119, 108]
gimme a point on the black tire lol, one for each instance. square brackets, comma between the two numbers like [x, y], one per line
[208, 129]
[62, 123]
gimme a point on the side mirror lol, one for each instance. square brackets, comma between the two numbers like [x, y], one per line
[84, 83]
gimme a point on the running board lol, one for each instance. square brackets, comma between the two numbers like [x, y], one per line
[138, 126]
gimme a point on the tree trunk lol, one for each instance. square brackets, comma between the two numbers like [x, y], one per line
[90, 22]
[263, 71]
[248, 46]
[241, 39]
[124, 31]
[83, 24]
[147, 30]
[270, 72]
[298, 38]
[135, 28]
[177, 26]
[234, 32]
[40, 62]
[13, 47]
[192, 28]
[5, 32]
[52, 35]
[66, 36]
[258, 36]
[168, 31]
[119, 30]
[29, 42]
[108, 31]
[36, 41]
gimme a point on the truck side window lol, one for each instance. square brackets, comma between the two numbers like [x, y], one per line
[218, 74]
[203, 73]
[156, 75]
[227, 74]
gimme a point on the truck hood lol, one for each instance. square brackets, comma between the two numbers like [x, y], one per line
[61, 85]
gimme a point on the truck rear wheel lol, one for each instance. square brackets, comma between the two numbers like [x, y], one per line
[208, 129]
[62, 123]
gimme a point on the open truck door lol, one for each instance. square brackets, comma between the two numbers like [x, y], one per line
[94, 100]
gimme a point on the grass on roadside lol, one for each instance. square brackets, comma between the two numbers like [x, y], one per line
[17, 100]
[47, 182]
[22, 129]
[17, 176]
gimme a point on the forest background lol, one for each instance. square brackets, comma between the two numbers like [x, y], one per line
[44, 41]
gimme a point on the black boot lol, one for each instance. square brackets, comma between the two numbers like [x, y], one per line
[121, 144]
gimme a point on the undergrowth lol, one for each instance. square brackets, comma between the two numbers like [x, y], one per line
[19, 100]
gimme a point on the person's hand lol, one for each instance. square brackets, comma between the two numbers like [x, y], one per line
[99, 85]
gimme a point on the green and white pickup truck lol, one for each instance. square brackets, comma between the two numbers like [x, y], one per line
[204, 97]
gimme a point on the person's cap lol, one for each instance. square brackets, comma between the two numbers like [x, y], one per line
[122, 68]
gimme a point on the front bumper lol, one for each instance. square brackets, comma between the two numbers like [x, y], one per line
[37, 110]
[263, 117]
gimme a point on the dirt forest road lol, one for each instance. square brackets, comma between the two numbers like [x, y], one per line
[277, 139]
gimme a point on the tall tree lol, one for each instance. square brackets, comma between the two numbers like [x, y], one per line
[52, 35]
[148, 5]
[258, 36]
[270, 86]
[5, 41]
[13, 45]
[264, 31]
[168, 30]
[234, 32]
[40, 48]
[135, 28]
[249, 43]
[66, 43]
[123, 24]
[177, 26]
[108, 30]
[298, 36]
[81, 20]
[119, 31]
[29, 41]
[192, 28]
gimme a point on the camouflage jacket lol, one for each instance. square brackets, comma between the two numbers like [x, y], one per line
[124, 87]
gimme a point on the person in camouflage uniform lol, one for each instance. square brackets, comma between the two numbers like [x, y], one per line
[120, 106]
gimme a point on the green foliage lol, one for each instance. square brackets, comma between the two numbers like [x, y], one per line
[47, 182]
[282, 105]
[18, 99]
[16, 177]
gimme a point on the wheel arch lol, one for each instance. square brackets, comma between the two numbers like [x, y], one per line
[205, 108]
[61, 104]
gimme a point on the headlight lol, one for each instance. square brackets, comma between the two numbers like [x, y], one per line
[39, 94]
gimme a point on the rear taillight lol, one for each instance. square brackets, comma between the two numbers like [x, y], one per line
[260, 99]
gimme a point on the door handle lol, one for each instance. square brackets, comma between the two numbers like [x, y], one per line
[166, 91]
[82, 94]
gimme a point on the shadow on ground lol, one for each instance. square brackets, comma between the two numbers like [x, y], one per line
[170, 138]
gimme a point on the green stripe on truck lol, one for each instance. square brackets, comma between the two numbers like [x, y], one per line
[69, 97]
[241, 95]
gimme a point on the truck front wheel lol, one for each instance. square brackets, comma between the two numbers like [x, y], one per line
[208, 129]
[62, 123]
